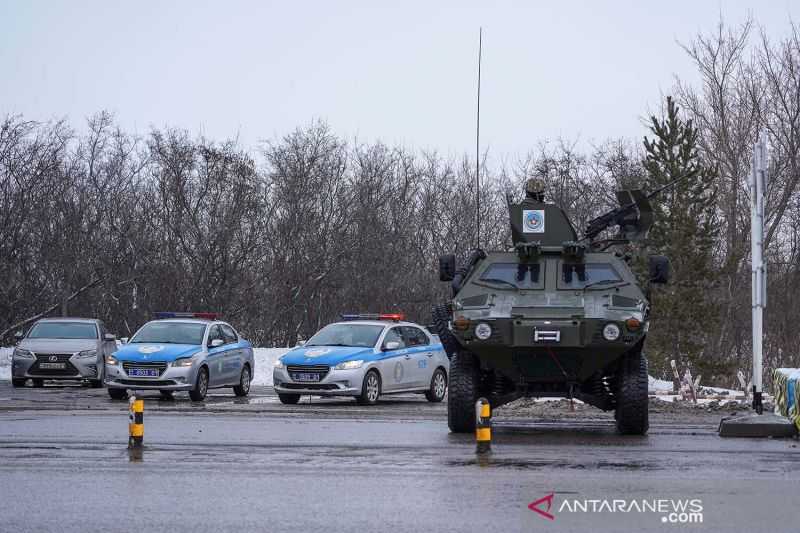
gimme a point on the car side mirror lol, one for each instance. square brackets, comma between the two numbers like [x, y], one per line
[391, 345]
[216, 343]
[124, 340]
[19, 335]
[659, 269]
[110, 337]
[447, 267]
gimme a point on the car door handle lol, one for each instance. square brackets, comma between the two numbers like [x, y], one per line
[429, 354]
[408, 356]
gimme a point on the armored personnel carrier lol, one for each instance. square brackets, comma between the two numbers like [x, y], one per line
[554, 316]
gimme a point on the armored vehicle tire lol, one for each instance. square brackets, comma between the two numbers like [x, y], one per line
[117, 394]
[463, 392]
[632, 401]
[18, 382]
[198, 393]
[441, 316]
[436, 391]
[289, 399]
[370, 389]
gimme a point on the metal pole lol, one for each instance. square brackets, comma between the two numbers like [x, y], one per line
[478, 149]
[758, 182]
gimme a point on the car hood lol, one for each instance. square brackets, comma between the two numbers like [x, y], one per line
[58, 345]
[155, 352]
[324, 355]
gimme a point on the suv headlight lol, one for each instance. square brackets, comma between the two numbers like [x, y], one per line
[111, 360]
[21, 352]
[183, 362]
[611, 332]
[278, 363]
[483, 331]
[350, 365]
[88, 353]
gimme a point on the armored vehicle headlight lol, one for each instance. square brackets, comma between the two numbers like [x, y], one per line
[483, 331]
[611, 332]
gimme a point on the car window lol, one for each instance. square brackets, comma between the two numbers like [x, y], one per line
[578, 275]
[228, 334]
[165, 332]
[345, 334]
[63, 330]
[414, 336]
[215, 334]
[394, 335]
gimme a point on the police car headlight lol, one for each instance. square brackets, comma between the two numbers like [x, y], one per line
[278, 363]
[111, 360]
[483, 331]
[20, 352]
[87, 353]
[183, 362]
[611, 332]
[350, 365]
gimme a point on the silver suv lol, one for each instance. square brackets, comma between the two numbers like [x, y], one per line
[62, 348]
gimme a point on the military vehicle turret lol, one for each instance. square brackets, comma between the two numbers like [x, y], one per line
[554, 316]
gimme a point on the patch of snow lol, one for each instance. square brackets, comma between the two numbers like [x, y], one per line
[5, 363]
[654, 384]
[265, 359]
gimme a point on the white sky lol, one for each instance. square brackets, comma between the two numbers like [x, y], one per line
[582, 70]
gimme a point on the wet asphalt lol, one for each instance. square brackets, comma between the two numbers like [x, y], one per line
[253, 464]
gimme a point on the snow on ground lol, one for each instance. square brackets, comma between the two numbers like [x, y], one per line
[654, 384]
[5, 363]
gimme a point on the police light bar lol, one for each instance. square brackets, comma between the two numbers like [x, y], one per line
[374, 316]
[171, 314]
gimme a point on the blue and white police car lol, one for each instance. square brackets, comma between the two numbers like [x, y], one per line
[364, 356]
[190, 352]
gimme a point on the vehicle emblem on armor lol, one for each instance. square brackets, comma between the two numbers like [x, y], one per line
[150, 349]
[53, 358]
[533, 220]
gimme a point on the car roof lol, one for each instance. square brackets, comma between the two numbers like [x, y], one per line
[189, 320]
[69, 319]
[390, 323]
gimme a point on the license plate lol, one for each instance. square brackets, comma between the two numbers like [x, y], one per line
[305, 376]
[143, 372]
[53, 366]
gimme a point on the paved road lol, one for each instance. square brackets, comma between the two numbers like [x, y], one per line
[256, 465]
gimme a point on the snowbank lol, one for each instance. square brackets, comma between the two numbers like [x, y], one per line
[265, 358]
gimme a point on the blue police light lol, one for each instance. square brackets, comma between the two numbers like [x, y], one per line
[396, 317]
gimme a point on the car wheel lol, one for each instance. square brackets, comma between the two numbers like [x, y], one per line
[166, 395]
[632, 401]
[289, 399]
[370, 389]
[117, 394]
[198, 393]
[38, 382]
[243, 388]
[438, 386]
[18, 382]
[464, 384]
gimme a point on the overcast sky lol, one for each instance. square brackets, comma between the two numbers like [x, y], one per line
[581, 70]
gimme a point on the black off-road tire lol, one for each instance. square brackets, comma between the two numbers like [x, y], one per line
[441, 317]
[462, 392]
[18, 382]
[200, 390]
[289, 399]
[243, 388]
[117, 394]
[438, 387]
[632, 401]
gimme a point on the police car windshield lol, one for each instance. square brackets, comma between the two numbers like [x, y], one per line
[365, 335]
[170, 333]
[63, 330]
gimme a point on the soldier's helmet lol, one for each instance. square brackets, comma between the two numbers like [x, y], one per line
[534, 189]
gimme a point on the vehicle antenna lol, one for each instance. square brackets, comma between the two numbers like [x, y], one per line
[478, 149]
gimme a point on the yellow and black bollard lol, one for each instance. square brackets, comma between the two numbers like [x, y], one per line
[136, 425]
[483, 426]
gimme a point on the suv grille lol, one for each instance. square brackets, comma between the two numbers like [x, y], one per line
[68, 369]
[322, 370]
[129, 365]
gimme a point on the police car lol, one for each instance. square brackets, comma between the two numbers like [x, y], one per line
[190, 352]
[364, 356]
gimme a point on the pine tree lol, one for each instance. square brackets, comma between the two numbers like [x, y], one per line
[684, 312]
